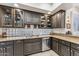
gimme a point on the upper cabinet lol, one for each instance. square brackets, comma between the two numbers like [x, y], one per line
[58, 19]
[18, 18]
[6, 16]
[31, 17]
[11, 17]
[14, 17]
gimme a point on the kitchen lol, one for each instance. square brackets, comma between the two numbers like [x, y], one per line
[39, 29]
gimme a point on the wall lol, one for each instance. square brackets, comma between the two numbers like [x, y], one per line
[73, 16]
[75, 21]
[59, 30]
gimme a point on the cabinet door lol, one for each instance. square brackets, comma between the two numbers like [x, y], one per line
[8, 50]
[74, 52]
[18, 17]
[32, 47]
[36, 18]
[62, 20]
[55, 45]
[27, 17]
[54, 21]
[7, 18]
[65, 50]
[37, 46]
[18, 48]
[58, 20]
[1, 51]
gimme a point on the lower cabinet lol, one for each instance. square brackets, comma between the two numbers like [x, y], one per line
[55, 45]
[6, 48]
[31, 47]
[1, 51]
[62, 48]
[74, 52]
[74, 49]
[18, 48]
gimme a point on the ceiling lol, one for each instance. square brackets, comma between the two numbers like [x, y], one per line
[44, 6]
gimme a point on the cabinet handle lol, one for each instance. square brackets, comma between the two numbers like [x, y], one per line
[4, 49]
[78, 47]
[2, 43]
[1, 49]
[71, 51]
[5, 52]
[68, 49]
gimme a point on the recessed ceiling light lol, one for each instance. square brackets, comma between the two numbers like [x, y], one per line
[16, 5]
[49, 12]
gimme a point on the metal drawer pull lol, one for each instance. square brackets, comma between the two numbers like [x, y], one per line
[1, 49]
[2, 43]
[78, 47]
[71, 51]
[68, 49]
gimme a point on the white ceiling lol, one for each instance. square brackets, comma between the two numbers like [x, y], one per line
[45, 6]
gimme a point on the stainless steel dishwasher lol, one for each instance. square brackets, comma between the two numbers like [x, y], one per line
[45, 44]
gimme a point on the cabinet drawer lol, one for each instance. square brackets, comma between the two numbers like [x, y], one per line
[30, 48]
[32, 40]
[64, 42]
[75, 46]
[6, 43]
[74, 52]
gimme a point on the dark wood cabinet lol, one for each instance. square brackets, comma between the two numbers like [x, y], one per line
[18, 18]
[6, 48]
[61, 47]
[6, 16]
[15, 17]
[64, 48]
[74, 49]
[55, 45]
[32, 46]
[18, 48]
[1, 51]
[58, 19]
[32, 17]
[62, 20]
[74, 52]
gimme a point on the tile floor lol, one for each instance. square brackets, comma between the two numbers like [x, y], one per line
[47, 53]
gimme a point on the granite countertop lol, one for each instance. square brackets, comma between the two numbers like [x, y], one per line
[69, 38]
[20, 38]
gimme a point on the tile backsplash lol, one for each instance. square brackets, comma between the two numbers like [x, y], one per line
[59, 30]
[25, 32]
